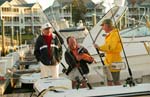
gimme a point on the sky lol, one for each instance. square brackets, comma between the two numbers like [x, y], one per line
[47, 3]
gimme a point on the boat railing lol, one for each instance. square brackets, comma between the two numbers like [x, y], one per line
[3, 67]
[12, 59]
[9, 61]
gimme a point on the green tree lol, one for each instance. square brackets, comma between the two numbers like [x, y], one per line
[78, 11]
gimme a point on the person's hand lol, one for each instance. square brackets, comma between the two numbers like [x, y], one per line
[78, 57]
[90, 59]
[86, 57]
[94, 61]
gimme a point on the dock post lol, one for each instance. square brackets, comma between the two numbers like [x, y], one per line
[3, 38]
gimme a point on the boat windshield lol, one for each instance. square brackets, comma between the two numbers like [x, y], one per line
[140, 31]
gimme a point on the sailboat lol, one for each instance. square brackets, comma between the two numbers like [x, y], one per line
[137, 54]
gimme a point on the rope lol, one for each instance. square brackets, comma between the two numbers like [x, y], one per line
[52, 88]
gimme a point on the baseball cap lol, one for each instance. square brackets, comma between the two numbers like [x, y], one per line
[46, 25]
[107, 21]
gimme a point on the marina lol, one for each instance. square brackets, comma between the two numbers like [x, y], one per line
[20, 74]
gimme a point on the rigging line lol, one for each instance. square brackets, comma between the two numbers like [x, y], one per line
[97, 35]
[54, 18]
[101, 28]
[142, 17]
[58, 30]
[97, 50]
[94, 40]
[52, 13]
[129, 69]
[135, 20]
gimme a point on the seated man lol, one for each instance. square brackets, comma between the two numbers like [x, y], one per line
[77, 58]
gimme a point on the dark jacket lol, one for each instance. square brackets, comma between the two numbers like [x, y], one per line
[71, 61]
[41, 50]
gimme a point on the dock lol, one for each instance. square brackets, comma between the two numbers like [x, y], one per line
[10, 85]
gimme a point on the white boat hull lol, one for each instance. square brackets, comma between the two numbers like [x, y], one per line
[107, 91]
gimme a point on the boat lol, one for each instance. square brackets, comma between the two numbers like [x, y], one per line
[62, 26]
[7, 62]
[139, 90]
[137, 52]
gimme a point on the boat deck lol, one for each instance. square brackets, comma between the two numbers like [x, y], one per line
[32, 95]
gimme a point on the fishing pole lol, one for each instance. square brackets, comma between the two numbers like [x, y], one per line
[80, 71]
[97, 50]
[59, 37]
[91, 35]
[105, 68]
[129, 80]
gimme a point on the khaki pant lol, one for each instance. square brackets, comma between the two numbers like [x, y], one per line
[107, 73]
[49, 71]
[75, 73]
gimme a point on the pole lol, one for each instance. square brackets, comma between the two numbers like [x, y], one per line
[12, 29]
[79, 69]
[12, 36]
[94, 19]
[17, 37]
[62, 42]
[106, 71]
[129, 80]
[3, 38]
[20, 38]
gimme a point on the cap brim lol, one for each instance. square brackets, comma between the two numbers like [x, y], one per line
[45, 28]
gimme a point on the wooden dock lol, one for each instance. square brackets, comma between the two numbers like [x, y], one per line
[14, 90]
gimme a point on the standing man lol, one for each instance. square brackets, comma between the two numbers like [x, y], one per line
[48, 51]
[112, 48]
[77, 58]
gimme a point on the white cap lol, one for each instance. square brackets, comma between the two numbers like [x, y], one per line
[46, 25]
